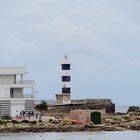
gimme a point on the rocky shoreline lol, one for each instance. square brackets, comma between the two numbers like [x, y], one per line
[114, 122]
[68, 128]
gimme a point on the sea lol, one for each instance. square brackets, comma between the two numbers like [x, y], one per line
[102, 135]
[118, 135]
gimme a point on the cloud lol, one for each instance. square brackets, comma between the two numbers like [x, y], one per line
[74, 27]
[101, 38]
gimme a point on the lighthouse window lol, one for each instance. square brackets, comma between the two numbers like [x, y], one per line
[65, 78]
[65, 90]
[65, 66]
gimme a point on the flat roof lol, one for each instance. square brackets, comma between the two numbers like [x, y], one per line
[12, 70]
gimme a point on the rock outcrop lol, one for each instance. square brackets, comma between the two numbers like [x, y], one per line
[114, 122]
[133, 109]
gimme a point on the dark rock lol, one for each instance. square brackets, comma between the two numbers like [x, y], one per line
[135, 127]
[133, 109]
[120, 113]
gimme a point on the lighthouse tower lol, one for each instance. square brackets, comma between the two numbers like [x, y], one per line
[64, 97]
[66, 87]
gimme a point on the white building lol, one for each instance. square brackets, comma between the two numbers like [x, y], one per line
[16, 94]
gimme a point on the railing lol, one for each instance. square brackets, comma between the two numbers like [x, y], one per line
[23, 96]
[25, 82]
[28, 96]
[19, 82]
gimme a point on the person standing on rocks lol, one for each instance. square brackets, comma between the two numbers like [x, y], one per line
[29, 114]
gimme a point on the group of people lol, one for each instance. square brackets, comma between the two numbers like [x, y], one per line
[24, 114]
[29, 115]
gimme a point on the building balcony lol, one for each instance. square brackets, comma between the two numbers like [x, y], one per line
[28, 96]
[22, 96]
[24, 82]
[18, 82]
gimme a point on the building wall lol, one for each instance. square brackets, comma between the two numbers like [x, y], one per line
[29, 106]
[4, 91]
[5, 108]
[63, 98]
[16, 105]
[64, 109]
[80, 115]
[84, 116]
[6, 79]
[59, 98]
[66, 98]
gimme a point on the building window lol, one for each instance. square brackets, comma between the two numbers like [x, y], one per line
[65, 78]
[65, 66]
[65, 90]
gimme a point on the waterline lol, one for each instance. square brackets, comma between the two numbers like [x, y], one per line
[117, 135]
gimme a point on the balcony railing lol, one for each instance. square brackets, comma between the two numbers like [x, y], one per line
[23, 96]
[25, 82]
[18, 82]
[28, 96]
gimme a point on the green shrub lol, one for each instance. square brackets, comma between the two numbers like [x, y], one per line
[2, 122]
[42, 106]
[6, 117]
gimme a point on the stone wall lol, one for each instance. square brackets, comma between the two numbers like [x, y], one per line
[84, 116]
[59, 98]
[63, 98]
[95, 104]
[92, 101]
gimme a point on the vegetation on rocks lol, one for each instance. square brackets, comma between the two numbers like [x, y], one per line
[42, 106]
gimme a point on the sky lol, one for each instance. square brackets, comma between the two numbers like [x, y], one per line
[100, 37]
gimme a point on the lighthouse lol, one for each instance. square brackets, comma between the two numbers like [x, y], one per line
[66, 78]
[64, 97]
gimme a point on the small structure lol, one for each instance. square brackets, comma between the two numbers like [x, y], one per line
[88, 116]
[16, 94]
[65, 98]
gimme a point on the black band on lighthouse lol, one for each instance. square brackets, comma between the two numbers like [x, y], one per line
[65, 66]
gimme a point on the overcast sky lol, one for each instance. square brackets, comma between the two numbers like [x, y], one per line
[100, 37]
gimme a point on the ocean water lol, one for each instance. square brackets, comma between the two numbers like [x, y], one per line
[119, 135]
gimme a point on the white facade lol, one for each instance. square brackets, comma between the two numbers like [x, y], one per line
[13, 91]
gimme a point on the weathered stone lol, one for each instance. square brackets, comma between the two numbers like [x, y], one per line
[92, 104]
[133, 109]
